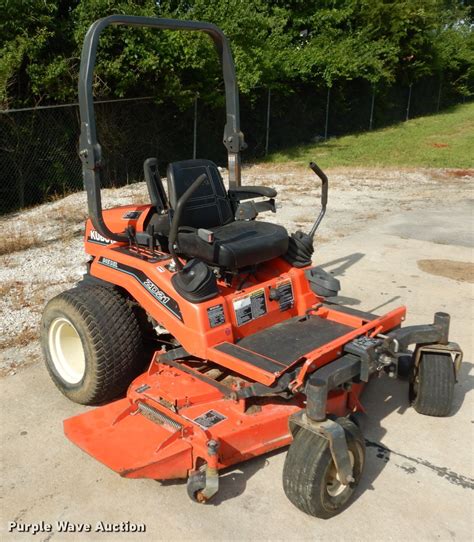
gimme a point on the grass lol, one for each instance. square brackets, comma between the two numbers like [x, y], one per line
[445, 140]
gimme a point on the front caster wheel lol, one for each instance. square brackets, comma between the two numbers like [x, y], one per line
[432, 385]
[203, 485]
[195, 485]
[310, 479]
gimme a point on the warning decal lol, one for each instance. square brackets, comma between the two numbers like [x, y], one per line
[215, 315]
[250, 307]
[286, 299]
[209, 418]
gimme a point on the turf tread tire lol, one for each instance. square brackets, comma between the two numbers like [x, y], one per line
[305, 469]
[434, 391]
[111, 337]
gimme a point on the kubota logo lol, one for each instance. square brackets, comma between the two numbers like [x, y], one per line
[98, 238]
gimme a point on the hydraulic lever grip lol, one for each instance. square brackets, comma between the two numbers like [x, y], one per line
[320, 173]
[324, 196]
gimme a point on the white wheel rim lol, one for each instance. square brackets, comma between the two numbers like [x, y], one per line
[334, 486]
[67, 352]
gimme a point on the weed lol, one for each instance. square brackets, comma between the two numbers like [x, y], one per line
[15, 238]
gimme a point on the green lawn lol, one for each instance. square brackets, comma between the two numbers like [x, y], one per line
[443, 140]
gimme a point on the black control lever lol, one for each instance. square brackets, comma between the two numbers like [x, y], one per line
[155, 186]
[178, 211]
[324, 196]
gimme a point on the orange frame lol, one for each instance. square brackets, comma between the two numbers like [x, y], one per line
[135, 446]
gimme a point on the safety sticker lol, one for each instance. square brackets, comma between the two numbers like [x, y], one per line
[285, 290]
[215, 315]
[209, 418]
[250, 307]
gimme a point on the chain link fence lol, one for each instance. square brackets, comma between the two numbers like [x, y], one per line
[38, 147]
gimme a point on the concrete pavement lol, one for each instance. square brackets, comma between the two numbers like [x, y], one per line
[418, 480]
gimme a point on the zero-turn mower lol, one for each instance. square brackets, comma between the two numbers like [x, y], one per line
[224, 337]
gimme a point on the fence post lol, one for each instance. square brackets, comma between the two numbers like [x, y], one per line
[371, 121]
[409, 101]
[195, 126]
[21, 189]
[267, 132]
[326, 125]
[439, 93]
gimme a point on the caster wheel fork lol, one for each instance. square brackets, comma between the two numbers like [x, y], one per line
[203, 484]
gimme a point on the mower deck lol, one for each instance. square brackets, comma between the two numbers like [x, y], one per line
[161, 429]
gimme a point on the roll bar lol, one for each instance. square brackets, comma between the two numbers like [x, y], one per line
[90, 149]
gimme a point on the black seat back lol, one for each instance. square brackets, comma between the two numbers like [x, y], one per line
[209, 206]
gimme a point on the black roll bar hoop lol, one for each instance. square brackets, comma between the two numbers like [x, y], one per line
[90, 149]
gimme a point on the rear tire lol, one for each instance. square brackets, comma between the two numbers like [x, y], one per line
[432, 385]
[309, 478]
[92, 343]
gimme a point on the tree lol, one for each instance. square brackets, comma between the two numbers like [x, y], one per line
[274, 42]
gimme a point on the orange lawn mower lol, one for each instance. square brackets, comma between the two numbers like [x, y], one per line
[219, 338]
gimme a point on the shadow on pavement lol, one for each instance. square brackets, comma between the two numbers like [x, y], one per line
[345, 262]
[233, 481]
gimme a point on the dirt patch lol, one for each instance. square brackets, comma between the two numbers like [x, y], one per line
[460, 173]
[22, 338]
[462, 271]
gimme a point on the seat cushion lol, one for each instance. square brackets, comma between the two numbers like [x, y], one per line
[238, 244]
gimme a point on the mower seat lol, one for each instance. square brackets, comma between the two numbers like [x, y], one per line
[236, 244]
